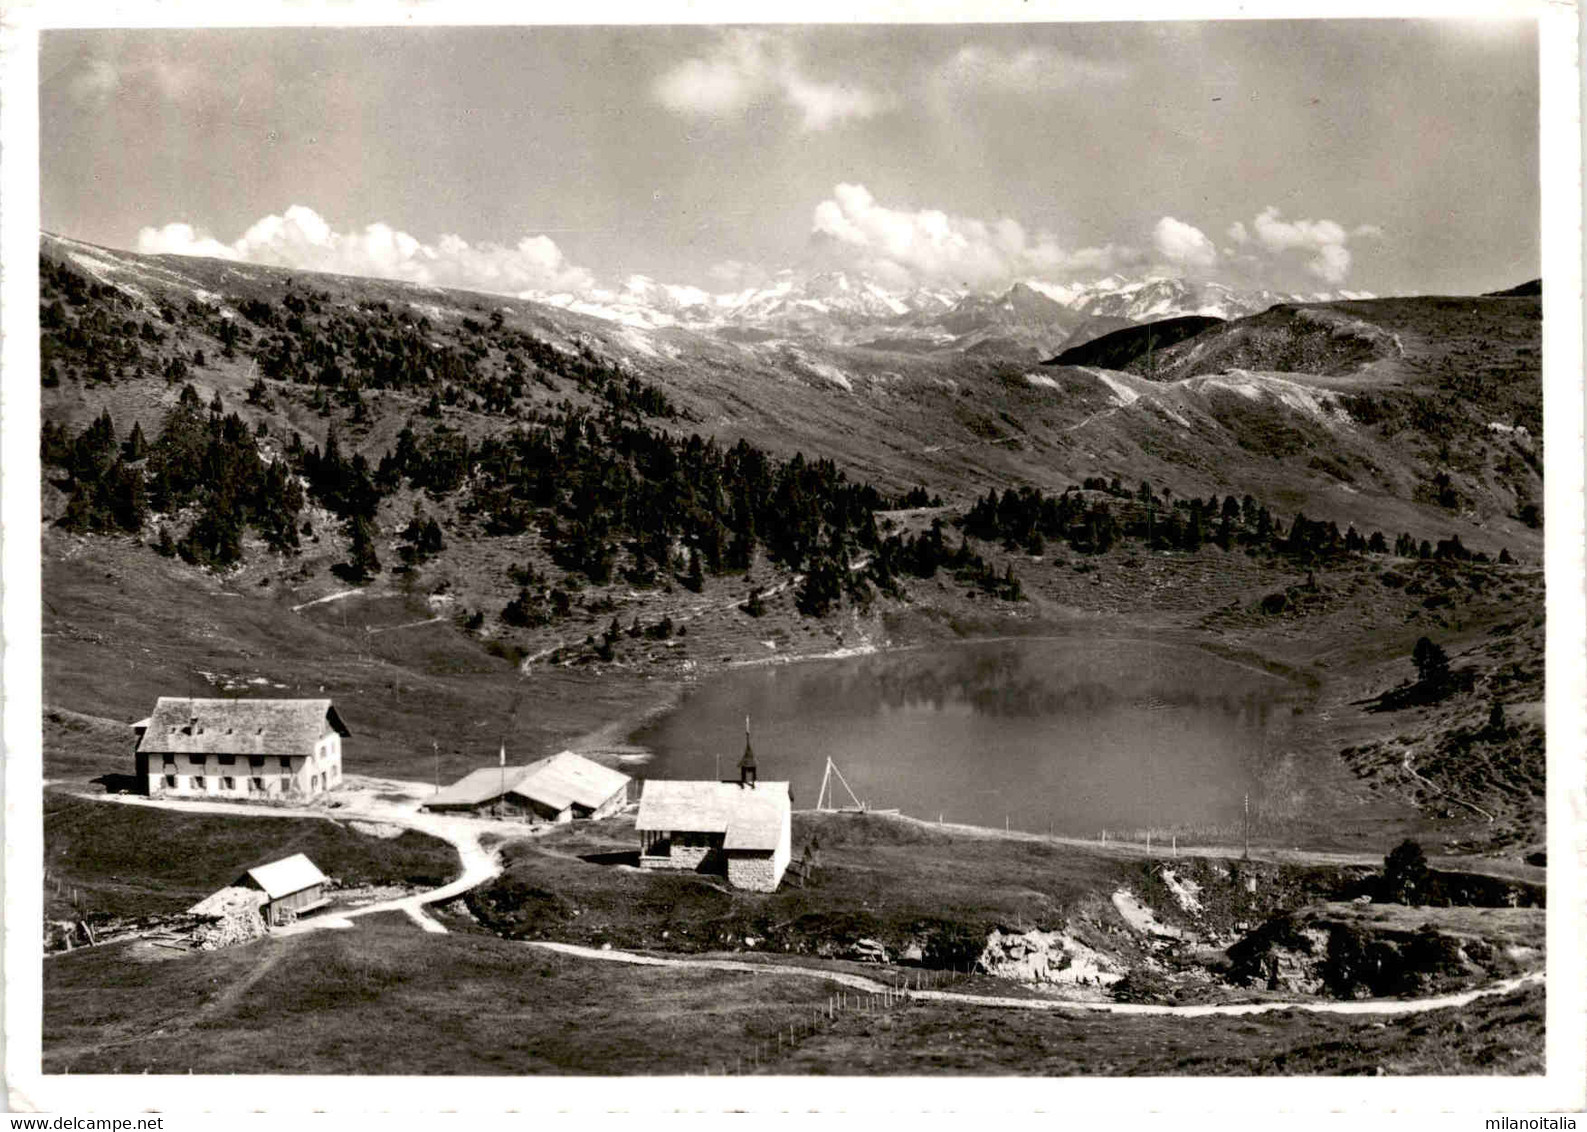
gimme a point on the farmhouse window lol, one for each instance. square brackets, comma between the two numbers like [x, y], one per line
[196, 760]
[227, 760]
[228, 783]
[286, 763]
[258, 785]
[256, 762]
[170, 781]
[198, 782]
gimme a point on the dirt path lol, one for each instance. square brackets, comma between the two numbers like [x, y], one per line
[1405, 764]
[269, 955]
[479, 864]
[1502, 870]
[404, 625]
[1379, 1006]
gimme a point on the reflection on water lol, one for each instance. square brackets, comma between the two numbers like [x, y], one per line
[1072, 735]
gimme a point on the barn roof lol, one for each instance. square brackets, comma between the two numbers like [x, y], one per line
[565, 778]
[286, 876]
[241, 727]
[750, 817]
[478, 786]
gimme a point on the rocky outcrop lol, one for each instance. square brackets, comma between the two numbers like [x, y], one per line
[1046, 957]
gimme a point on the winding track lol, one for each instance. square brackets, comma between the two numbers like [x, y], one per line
[481, 864]
[1379, 1006]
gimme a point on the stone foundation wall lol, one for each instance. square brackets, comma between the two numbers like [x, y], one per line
[754, 874]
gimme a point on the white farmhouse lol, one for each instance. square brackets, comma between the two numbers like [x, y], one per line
[255, 749]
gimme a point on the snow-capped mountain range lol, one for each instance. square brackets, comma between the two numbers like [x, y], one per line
[841, 308]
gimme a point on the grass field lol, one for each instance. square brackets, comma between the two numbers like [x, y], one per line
[1502, 1038]
[389, 999]
[384, 998]
[129, 861]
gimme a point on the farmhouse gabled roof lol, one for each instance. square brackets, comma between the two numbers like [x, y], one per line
[564, 779]
[749, 817]
[482, 785]
[286, 876]
[244, 727]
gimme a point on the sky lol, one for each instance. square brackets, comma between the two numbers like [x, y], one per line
[1387, 156]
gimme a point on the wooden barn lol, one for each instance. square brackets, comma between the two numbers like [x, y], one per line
[280, 891]
[559, 788]
[742, 829]
[239, 748]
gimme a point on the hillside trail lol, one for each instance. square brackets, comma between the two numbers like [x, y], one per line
[269, 955]
[876, 986]
[1405, 764]
[337, 596]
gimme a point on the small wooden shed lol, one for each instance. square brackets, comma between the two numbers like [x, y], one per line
[291, 886]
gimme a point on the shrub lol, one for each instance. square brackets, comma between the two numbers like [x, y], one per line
[1405, 874]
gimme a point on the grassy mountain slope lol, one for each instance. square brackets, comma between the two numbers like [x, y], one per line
[1431, 433]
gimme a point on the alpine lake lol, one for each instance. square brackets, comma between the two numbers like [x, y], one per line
[1070, 736]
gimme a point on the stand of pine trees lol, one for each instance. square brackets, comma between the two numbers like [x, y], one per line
[1090, 518]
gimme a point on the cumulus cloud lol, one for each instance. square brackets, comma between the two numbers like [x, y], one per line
[1183, 244]
[1322, 241]
[1029, 70]
[181, 239]
[1322, 246]
[300, 238]
[930, 246]
[746, 68]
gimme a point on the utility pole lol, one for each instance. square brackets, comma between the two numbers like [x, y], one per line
[1247, 856]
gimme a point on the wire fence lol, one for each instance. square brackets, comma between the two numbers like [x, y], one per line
[763, 1054]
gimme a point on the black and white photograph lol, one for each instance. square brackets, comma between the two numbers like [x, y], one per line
[924, 551]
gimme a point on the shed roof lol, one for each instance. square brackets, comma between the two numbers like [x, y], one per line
[246, 727]
[563, 779]
[478, 786]
[750, 817]
[228, 902]
[286, 876]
